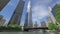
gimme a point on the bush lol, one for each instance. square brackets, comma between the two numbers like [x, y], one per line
[14, 27]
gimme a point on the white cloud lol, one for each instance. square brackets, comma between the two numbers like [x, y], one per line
[39, 12]
[40, 9]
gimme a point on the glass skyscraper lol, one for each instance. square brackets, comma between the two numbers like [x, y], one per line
[30, 15]
[26, 21]
[16, 17]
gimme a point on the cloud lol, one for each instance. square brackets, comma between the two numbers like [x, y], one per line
[39, 12]
[44, 2]
[40, 8]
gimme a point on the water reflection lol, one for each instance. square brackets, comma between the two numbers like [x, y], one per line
[21, 33]
[35, 32]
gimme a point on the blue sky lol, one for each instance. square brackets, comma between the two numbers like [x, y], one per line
[40, 10]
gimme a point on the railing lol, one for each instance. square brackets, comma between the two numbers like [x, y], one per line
[44, 28]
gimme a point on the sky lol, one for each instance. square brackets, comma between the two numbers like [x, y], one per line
[40, 10]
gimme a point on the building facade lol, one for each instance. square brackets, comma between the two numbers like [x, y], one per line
[52, 15]
[1, 17]
[3, 3]
[2, 21]
[16, 17]
[26, 21]
[43, 24]
[36, 25]
[30, 15]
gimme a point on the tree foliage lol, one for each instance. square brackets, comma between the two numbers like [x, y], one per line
[52, 26]
[58, 13]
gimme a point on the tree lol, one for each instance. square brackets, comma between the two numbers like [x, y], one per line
[52, 26]
[58, 13]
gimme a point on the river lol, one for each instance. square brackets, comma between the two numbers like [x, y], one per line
[24, 33]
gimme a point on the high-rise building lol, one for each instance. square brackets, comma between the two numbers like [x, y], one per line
[26, 21]
[54, 11]
[35, 25]
[49, 20]
[16, 17]
[3, 3]
[43, 24]
[52, 15]
[2, 21]
[30, 15]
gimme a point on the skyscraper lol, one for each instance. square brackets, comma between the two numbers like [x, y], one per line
[35, 25]
[3, 3]
[43, 24]
[30, 15]
[26, 21]
[52, 15]
[16, 17]
[54, 11]
[49, 20]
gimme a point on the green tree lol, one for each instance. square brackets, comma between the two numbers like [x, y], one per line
[14, 27]
[57, 9]
[52, 26]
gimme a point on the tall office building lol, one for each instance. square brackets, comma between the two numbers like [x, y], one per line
[52, 15]
[54, 11]
[30, 15]
[3, 3]
[43, 24]
[49, 20]
[26, 21]
[35, 25]
[16, 17]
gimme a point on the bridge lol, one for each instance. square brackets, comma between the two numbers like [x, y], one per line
[43, 28]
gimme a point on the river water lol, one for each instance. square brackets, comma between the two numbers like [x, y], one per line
[24, 33]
